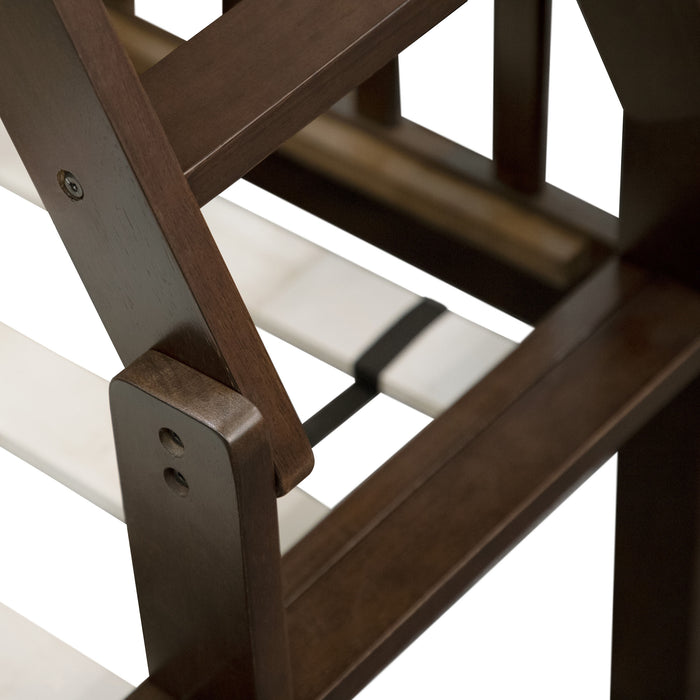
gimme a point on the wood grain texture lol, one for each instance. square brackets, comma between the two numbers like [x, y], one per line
[549, 344]
[199, 497]
[424, 246]
[540, 234]
[436, 196]
[145, 43]
[450, 157]
[656, 613]
[137, 237]
[402, 571]
[229, 96]
[521, 91]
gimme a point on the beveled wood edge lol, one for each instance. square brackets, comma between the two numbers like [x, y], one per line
[221, 128]
[552, 341]
[210, 594]
[440, 152]
[209, 326]
[649, 376]
[520, 92]
[503, 229]
[564, 231]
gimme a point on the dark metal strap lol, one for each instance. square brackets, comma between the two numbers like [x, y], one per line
[368, 368]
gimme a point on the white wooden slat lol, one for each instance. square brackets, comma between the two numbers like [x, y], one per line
[466, 352]
[55, 415]
[35, 665]
[328, 306]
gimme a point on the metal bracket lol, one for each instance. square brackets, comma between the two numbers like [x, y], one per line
[199, 497]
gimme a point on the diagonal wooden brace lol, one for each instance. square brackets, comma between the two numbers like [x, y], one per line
[108, 177]
[199, 497]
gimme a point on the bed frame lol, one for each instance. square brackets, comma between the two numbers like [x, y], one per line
[127, 132]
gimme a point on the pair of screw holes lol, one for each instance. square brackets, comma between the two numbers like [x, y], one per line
[173, 445]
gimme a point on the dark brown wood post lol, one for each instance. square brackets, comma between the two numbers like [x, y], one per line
[520, 91]
[656, 621]
[659, 195]
[651, 52]
[199, 497]
[107, 174]
[379, 97]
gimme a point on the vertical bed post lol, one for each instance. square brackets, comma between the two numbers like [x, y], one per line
[656, 619]
[204, 431]
[520, 91]
[198, 490]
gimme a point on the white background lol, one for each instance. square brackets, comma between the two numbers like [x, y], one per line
[538, 625]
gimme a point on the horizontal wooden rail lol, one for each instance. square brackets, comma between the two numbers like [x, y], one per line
[507, 230]
[407, 167]
[449, 157]
[234, 92]
[473, 483]
[302, 293]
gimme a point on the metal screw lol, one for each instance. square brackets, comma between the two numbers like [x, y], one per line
[70, 185]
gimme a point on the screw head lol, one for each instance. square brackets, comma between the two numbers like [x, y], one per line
[70, 185]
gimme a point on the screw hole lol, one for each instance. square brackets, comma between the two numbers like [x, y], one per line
[70, 185]
[171, 442]
[176, 481]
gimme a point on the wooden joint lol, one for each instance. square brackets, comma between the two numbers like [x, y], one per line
[135, 232]
[199, 497]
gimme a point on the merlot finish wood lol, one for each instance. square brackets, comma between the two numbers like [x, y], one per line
[232, 94]
[659, 202]
[420, 244]
[422, 150]
[199, 496]
[651, 51]
[552, 341]
[656, 613]
[379, 97]
[400, 572]
[520, 91]
[137, 236]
